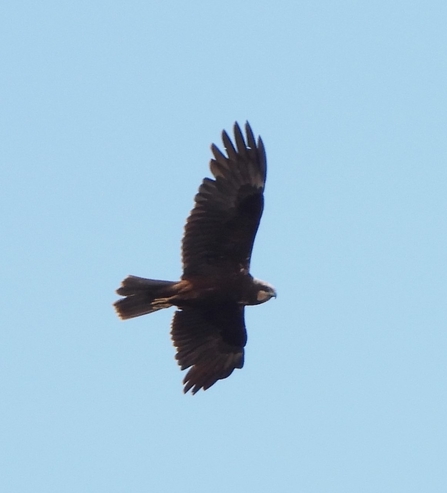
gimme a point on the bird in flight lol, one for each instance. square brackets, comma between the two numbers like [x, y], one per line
[208, 328]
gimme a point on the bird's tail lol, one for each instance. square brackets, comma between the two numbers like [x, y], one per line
[143, 296]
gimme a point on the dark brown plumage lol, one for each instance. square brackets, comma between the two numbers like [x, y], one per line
[208, 330]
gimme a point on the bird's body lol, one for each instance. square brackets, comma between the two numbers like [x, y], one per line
[208, 330]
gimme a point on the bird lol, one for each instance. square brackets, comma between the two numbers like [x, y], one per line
[208, 328]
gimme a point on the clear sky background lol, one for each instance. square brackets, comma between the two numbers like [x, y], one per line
[108, 110]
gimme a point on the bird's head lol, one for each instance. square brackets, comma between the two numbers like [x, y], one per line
[265, 291]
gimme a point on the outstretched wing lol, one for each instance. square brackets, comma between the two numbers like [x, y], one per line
[210, 341]
[222, 226]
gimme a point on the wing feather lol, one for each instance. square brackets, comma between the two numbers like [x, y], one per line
[220, 231]
[210, 342]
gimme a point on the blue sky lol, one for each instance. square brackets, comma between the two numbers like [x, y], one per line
[108, 110]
